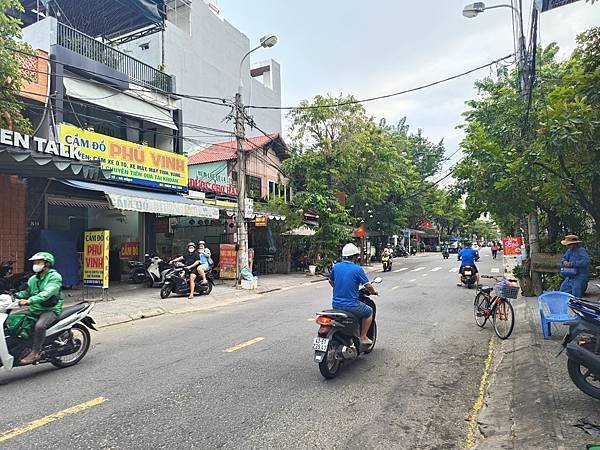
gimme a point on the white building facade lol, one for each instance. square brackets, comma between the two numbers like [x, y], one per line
[203, 53]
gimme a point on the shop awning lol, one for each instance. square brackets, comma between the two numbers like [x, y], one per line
[115, 100]
[149, 201]
[14, 161]
[302, 230]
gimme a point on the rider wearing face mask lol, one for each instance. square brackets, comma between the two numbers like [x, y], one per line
[44, 299]
[191, 261]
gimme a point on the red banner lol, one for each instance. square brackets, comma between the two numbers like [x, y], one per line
[227, 261]
[511, 246]
[130, 250]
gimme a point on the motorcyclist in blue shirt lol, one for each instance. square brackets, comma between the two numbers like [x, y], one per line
[467, 257]
[576, 257]
[346, 276]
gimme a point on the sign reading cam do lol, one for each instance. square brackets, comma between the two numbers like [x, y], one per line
[129, 162]
[95, 258]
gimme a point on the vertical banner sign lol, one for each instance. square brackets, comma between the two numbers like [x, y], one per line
[227, 261]
[547, 5]
[95, 258]
[511, 246]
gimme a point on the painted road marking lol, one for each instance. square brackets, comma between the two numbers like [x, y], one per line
[401, 270]
[454, 269]
[425, 274]
[418, 269]
[10, 434]
[412, 281]
[395, 287]
[480, 401]
[244, 345]
[495, 270]
[435, 269]
[312, 319]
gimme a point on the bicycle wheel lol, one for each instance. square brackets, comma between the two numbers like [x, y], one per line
[503, 319]
[479, 307]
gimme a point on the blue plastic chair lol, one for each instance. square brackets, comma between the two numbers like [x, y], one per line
[557, 304]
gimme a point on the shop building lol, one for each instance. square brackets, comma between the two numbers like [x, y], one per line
[120, 121]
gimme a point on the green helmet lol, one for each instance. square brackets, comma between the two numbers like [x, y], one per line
[44, 256]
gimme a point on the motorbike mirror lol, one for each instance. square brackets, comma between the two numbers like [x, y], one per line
[377, 280]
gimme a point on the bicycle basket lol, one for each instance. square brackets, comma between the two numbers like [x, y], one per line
[506, 291]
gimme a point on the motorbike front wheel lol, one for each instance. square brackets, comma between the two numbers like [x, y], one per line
[330, 365]
[80, 339]
[206, 289]
[165, 291]
[583, 377]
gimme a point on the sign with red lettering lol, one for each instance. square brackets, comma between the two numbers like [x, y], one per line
[207, 186]
[129, 162]
[511, 246]
[96, 245]
[227, 261]
[130, 250]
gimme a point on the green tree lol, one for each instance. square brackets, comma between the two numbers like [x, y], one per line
[11, 76]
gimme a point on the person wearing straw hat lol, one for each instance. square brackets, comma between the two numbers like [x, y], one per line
[574, 266]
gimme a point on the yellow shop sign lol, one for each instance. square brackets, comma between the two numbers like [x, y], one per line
[127, 161]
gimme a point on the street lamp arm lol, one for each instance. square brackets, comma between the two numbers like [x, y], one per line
[241, 86]
[503, 6]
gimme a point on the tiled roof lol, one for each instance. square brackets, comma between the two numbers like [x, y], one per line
[226, 151]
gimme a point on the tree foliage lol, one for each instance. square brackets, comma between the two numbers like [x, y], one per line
[11, 76]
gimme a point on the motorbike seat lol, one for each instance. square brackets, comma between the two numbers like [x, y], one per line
[487, 289]
[70, 310]
[339, 313]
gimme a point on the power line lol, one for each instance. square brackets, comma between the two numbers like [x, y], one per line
[381, 97]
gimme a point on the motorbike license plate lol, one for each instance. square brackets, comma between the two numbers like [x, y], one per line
[468, 273]
[320, 344]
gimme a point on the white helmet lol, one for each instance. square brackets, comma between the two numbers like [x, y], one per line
[350, 250]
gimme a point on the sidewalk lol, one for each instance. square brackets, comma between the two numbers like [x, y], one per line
[128, 302]
[531, 401]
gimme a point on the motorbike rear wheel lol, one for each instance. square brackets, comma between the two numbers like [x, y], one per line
[165, 291]
[330, 365]
[79, 335]
[583, 377]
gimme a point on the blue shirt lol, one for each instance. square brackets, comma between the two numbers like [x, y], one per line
[467, 256]
[579, 259]
[346, 277]
[203, 258]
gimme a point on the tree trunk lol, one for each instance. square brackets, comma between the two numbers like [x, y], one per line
[534, 248]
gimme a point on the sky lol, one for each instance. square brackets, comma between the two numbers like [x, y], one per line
[370, 48]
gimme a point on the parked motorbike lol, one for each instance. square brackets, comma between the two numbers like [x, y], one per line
[138, 273]
[386, 260]
[468, 277]
[67, 339]
[157, 271]
[12, 281]
[338, 338]
[582, 344]
[177, 281]
[402, 252]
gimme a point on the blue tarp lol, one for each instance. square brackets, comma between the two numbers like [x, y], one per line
[63, 245]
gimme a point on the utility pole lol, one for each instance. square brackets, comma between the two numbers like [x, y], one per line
[242, 256]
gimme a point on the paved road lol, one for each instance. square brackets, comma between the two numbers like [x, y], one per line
[169, 383]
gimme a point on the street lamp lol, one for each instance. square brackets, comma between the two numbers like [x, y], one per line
[474, 9]
[266, 41]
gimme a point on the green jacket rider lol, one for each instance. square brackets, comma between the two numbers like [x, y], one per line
[44, 299]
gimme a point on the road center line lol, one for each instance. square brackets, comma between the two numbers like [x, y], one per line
[10, 434]
[418, 269]
[454, 269]
[495, 270]
[435, 269]
[425, 274]
[412, 281]
[243, 345]
[395, 287]
[401, 269]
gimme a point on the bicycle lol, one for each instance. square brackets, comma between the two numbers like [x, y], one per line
[498, 306]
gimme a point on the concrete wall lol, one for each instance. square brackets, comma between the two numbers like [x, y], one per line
[41, 34]
[206, 62]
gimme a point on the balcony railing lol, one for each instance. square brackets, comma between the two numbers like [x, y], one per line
[138, 72]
